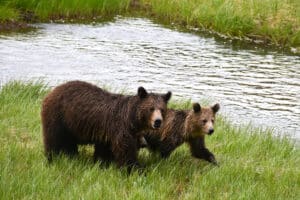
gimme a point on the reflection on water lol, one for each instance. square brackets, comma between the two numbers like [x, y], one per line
[263, 89]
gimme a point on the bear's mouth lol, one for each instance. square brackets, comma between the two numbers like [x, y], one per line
[155, 127]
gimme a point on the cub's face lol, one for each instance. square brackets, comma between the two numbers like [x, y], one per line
[152, 108]
[202, 120]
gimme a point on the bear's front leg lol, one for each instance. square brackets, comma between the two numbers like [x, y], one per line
[124, 148]
[198, 150]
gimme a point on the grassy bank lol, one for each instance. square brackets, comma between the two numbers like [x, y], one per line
[253, 164]
[8, 14]
[45, 10]
[271, 21]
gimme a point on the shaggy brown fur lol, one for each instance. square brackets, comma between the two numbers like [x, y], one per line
[181, 126]
[81, 113]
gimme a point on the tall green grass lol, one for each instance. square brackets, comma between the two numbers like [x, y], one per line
[56, 9]
[276, 21]
[253, 163]
[8, 14]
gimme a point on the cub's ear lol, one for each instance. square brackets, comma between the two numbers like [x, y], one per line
[167, 96]
[142, 93]
[216, 108]
[196, 107]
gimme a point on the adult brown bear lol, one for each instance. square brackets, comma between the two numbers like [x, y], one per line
[81, 113]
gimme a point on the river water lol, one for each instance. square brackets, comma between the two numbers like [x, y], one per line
[252, 85]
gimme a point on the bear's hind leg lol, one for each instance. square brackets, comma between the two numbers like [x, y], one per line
[166, 147]
[103, 152]
[57, 140]
[69, 145]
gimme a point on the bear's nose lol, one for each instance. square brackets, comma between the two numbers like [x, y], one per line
[210, 131]
[157, 123]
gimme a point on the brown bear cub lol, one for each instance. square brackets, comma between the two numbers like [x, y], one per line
[181, 126]
[81, 113]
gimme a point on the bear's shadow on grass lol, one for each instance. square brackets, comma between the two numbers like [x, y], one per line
[179, 163]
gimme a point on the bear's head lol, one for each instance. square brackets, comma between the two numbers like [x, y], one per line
[200, 120]
[152, 108]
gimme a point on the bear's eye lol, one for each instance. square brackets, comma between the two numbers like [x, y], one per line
[213, 121]
[204, 121]
[152, 109]
[162, 110]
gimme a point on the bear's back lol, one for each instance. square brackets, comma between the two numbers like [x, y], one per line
[82, 95]
[85, 109]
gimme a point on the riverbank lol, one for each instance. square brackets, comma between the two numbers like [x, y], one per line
[253, 163]
[31, 11]
[260, 21]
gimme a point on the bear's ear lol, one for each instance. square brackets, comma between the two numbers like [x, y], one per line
[216, 108]
[167, 96]
[196, 107]
[142, 93]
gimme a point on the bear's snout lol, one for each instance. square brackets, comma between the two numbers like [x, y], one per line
[157, 123]
[210, 131]
[156, 119]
